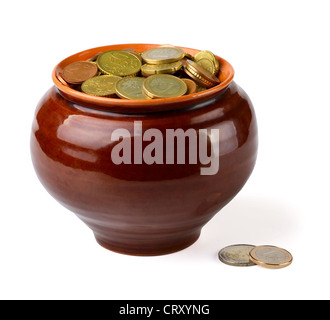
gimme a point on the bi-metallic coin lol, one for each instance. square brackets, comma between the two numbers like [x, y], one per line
[236, 255]
[130, 88]
[164, 86]
[161, 55]
[271, 257]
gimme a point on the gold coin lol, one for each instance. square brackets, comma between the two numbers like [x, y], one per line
[130, 88]
[161, 55]
[102, 86]
[137, 54]
[236, 255]
[270, 257]
[205, 54]
[164, 86]
[207, 65]
[200, 75]
[188, 56]
[161, 68]
[200, 88]
[118, 63]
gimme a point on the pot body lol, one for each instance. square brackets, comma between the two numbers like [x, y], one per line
[141, 209]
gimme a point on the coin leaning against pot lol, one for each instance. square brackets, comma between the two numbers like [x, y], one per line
[173, 73]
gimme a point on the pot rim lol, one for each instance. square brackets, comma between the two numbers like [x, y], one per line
[226, 75]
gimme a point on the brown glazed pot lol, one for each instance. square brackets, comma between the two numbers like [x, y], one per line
[141, 209]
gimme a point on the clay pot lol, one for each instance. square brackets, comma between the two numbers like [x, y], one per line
[142, 209]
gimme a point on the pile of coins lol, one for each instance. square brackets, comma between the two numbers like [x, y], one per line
[244, 255]
[161, 72]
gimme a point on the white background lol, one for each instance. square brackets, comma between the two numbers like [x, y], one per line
[280, 53]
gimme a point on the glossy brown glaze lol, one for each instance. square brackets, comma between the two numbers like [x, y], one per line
[141, 209]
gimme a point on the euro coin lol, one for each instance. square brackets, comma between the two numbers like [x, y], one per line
[78, 72]
[207, 65]
[131, 50]
[270, 257]
[200, 75]
[103, 86]
[149, 69]
[188, 56]
[119, 63]
[161, 55]
[191, 85]
[59, 77]
[164, 86]
[208, 55]
[236, 255]
[128, 63]
[130, 88]
[184, 61]
[200, 88]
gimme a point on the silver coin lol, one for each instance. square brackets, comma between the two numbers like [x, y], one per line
[236, 255]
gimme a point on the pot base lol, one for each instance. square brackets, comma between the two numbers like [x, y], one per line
[148, 248]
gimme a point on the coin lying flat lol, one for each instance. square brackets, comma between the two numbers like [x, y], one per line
[161, 55]
[131, 50]
[102, 86]
[236, 255]
[270, 257]
[118, 63]
[164, 86]
[130, 88]
[149, 69]
[78, 72]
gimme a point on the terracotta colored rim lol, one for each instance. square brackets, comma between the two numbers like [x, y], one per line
[135, 106]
